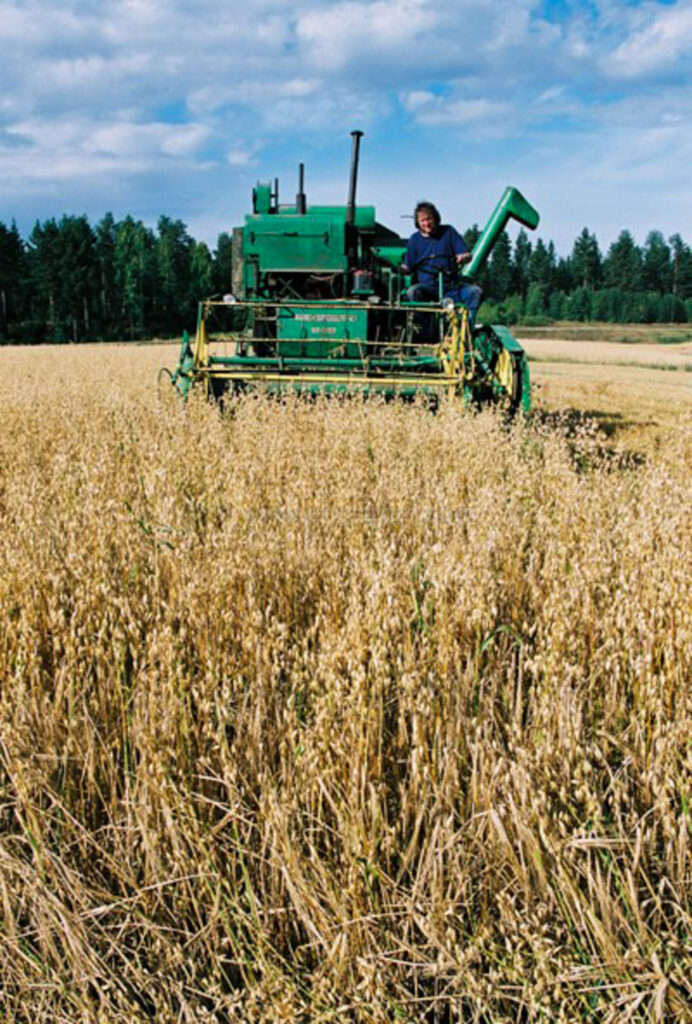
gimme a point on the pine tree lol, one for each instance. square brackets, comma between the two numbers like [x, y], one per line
[622, 267]
[563, 277]
[520, 263]
[106, 232]
[173, 252]
[681, 269]
[43, 261]
[586, 261]
[134, 276]
[12, 276]
[77, 292]
[222, 274]
[501, 268]
[63, 273]
[542, 264]
[656, 265]
[541, 273]
[201, 276]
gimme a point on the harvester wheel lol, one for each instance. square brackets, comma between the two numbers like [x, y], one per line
[508, 373]
[515, 387]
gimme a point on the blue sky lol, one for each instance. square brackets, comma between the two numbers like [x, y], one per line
[180, 106]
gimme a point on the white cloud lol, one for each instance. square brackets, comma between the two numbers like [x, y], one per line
[23, 172]
[241, 158]
[418, 99]
[124, 94]
[252, 93]
[39, 23]
[69, 141]
[659, 43]
[244, 153]
[176, 140]
[430, 109]
[90, 72]
[336, 34]
[550, 95]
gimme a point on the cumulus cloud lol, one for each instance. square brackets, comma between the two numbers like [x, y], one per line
[168, 139]
[430, 109]
[337, 34]
[244, 152]
[142, 90]
[115, 138]
[662, 39]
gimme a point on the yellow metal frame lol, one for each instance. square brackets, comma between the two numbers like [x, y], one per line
[201, 345]
[451, 352]
[457, 342]
[430, 380]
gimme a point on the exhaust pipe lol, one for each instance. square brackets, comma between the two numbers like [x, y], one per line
[301, 201]
[351, 211]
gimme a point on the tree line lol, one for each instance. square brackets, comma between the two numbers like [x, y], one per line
[70, 281]
[629, 284]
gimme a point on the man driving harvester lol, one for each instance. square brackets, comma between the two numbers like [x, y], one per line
[436, 249]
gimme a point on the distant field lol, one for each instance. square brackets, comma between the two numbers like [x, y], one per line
[635, 381]
[626, 334]
[646, 354]
[343, 711]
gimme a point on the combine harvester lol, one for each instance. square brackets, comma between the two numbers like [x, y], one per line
[318, 305]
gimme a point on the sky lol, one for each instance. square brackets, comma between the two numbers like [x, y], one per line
[178, 107]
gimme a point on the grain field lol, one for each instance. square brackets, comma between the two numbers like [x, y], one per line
[337, 711]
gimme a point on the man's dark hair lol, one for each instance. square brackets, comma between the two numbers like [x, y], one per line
[429, 208]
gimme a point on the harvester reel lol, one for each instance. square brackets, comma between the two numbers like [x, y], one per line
[164, 380]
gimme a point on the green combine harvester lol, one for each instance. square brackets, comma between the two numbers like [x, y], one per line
[318, 306]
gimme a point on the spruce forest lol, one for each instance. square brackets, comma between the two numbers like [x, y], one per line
[72, 282]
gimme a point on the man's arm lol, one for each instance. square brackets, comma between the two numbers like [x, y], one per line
[461, 249]
[409, 259]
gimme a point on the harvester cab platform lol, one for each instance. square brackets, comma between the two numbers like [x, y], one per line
[318, 305]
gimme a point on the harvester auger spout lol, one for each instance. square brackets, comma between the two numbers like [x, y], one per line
[512, 206]
[319, 305]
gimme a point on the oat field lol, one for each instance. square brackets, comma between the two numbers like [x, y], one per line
[338, 711]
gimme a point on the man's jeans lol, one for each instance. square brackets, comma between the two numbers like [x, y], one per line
[468, 295]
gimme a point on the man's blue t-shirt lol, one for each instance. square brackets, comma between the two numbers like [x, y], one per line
[427, 257]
